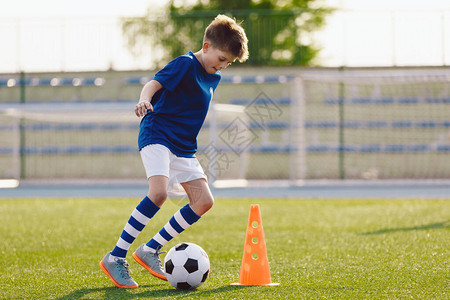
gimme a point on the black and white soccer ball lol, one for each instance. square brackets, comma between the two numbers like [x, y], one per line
[186, 266]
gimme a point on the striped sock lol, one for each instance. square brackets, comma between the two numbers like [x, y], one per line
[180, 221]
[139, 218]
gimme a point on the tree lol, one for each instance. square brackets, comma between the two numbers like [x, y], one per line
[279, 31]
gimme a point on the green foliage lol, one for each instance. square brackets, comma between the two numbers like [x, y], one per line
[279, 32]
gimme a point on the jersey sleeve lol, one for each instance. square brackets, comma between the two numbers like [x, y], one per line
[171, 75]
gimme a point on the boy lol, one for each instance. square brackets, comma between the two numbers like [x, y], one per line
[174, 106]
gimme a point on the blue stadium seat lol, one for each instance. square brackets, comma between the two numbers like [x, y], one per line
[408, 101]
[376, 124]
[6, 151]
[395, 148]
[271, 125]
[239, 101]
[66, 81]
[89, 81]
[318, 149]
[45, 81]
[248, 79]
[63, 127]
[99, 149]
[270, 149]
[284, 149]
[437, 100]
[443, 148]
[401, 124]
[348, 148]
[88, 126]
[26, 82]
[75, 150]
[133, 80]
[260, 101]
[383, 101]
[124, 149]
[370, 148]
[330, 101]
[364, 101]
[361, 101]
[4, 82]
[137, 80]
[226, 79]
[275, 125]
[46, 150]
[273, 79]
[327, 124]
[353, 124]
[418, 148]
[426, 124]
[38, 127]
[30, 150]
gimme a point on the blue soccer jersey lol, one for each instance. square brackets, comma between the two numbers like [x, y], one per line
[180, 107]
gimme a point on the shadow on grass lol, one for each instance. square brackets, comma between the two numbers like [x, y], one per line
[117, 293]
[211, 292]
[113, 292]
[439, 225]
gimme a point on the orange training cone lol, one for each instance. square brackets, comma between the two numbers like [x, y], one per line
[255, 265]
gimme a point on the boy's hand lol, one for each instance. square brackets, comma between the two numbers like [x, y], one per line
[141, 108]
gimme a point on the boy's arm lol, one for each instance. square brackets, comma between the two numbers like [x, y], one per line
[149, 89]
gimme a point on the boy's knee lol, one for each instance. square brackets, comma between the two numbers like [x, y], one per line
[158, 197]
[210, 203]
[207, 203]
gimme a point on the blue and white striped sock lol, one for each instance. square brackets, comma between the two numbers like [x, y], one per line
[140, 216]
[180, 221]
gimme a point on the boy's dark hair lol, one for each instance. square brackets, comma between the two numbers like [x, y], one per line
[227, 35]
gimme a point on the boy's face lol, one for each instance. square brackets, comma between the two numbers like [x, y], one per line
[215, 59]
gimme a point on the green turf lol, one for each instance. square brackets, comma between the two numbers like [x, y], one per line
[318, 249]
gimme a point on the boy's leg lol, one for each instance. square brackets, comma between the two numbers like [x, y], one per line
[139, 218]
[114, 264]
[201, 201]
[200, 198]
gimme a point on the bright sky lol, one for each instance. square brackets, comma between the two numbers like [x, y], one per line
[59, 8]
[42, 35]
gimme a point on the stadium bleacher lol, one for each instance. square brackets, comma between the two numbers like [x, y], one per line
[272, 125]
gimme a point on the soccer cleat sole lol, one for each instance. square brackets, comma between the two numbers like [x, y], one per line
[122, 286]
[142, 263]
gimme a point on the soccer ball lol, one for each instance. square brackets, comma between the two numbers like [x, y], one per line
[187, 266]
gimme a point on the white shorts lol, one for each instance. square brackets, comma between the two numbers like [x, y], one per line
[159, 160]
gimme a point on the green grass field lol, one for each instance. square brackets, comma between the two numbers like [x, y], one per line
[317, 249]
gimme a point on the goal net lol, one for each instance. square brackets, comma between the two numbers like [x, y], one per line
[378, 124]
[98, 141]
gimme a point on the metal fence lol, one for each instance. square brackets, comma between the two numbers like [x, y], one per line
[307, 124]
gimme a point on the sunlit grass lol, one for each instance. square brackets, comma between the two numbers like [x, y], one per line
[318, 249]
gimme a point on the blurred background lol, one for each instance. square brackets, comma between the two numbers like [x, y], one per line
[98, 35]
[333, 89]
